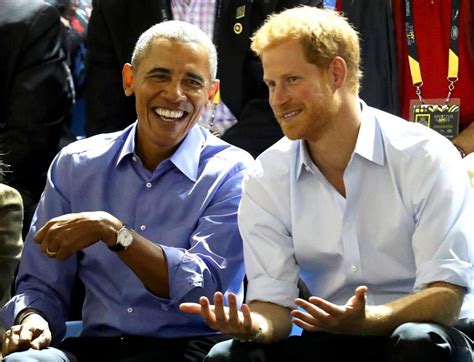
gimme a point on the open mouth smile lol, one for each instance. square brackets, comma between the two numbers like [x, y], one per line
[289, 115]
[169, 115]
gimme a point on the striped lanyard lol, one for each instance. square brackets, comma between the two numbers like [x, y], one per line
[413, 60]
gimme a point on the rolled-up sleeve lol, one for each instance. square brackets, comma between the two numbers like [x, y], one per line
[270, 264]
[214, 261]
[443, 239]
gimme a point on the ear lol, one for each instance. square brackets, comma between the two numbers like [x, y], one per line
[213, 94]
[337, 72]
[127, 79]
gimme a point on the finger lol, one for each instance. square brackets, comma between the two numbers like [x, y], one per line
[13, 343]
[311, 308]
[219, 310]
[308, 318]
[192, 308]
[25, 335]
[247, 315]
[233, 311]
[306, 326]
[361, 293]
[207, 313]
[41, 233]
[6, 342]
[328, 307]
[42, 341]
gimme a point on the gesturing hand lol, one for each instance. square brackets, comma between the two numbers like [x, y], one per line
[65, 235]
[228, 320]
[33, 333]
[322, 315]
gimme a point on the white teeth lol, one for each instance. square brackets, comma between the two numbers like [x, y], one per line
[291, 114]
[168, 113]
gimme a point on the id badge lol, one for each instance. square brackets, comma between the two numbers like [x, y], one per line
[435, 114]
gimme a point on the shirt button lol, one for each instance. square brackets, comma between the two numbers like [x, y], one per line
[134, 158]
[149, 184]
[354, 268]
[142, 227]
[307, 168]
[129, 309]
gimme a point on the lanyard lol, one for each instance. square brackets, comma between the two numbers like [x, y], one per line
[413, 60]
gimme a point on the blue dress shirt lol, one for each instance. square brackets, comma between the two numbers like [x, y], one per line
[406, 220]
[187, 205]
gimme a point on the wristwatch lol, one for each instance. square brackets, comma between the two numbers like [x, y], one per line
[124, 239]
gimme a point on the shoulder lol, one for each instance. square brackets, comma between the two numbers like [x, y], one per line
[224, 155]
[9, 195]
[276, 160]
[273, 167]
[27, 12]
[95, 147]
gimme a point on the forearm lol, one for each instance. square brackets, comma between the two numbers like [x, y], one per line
[274, 321]
[439, 303]
[465, 139]
[148, 262]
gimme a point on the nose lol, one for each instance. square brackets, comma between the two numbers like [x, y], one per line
[278, 96]
[174, 92]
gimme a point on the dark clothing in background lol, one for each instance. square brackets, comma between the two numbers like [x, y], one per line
[35, 96]
[374, 21]
[114, 28]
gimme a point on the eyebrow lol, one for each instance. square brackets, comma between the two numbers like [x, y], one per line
[159, 70]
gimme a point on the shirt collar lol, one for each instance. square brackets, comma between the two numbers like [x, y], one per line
[128, 144]
[185, 158]
[369, 143]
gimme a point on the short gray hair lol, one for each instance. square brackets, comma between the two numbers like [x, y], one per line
[180, 31]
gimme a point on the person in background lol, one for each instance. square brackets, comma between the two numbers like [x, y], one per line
[35, 96]
[372, 212]
[114, 28]
[146, 217]
[441, 52]
[11, 242]
[75, 18]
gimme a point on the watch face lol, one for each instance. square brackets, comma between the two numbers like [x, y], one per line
[124, 237]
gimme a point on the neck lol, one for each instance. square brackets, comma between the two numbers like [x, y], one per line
[151, 160]
[332, 151]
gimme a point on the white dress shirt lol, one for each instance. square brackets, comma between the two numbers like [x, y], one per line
[406, 219]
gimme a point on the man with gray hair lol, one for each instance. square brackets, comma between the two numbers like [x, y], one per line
[145, 217]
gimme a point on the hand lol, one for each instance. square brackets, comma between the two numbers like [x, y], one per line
[33, 332]
[65, 235]
[322, 315]
[228, 320]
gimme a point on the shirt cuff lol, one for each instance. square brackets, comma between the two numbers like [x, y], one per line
[452, 271]
[185, 272]
[272, 290]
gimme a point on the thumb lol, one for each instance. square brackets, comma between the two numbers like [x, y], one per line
[42, 341]
[361, 294]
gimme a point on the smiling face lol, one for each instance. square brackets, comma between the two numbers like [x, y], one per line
[172, 85]
[299, 92]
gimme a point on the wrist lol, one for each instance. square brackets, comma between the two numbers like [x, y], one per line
[460, 150]
[251, 338]
[25, 313]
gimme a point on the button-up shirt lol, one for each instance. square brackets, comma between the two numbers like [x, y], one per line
[406, 220]
[187, 205]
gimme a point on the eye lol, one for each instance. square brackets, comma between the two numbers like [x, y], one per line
[270, 84]
[292, 79]
[193, 83]
[158, 77]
